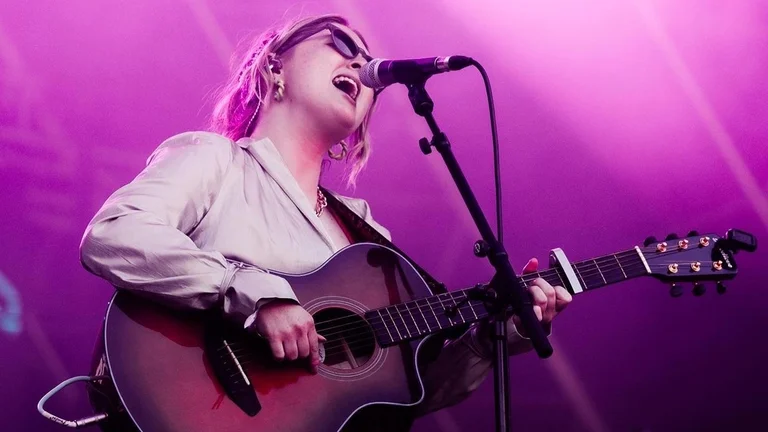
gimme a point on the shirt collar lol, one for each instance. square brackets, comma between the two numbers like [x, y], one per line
[267, 155]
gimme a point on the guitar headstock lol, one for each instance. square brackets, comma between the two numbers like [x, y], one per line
[696, 258]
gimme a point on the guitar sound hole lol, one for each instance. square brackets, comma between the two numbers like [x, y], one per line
[349, 339]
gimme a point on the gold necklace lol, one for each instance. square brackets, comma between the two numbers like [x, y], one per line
[321, 203]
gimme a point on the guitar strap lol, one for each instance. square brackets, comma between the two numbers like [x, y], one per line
[364, 232]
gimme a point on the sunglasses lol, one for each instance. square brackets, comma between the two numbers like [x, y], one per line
[348, 48]
[343, 43]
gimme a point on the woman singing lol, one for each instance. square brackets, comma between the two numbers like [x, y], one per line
[248, 192]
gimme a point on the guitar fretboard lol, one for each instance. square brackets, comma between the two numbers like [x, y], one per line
[418, 318]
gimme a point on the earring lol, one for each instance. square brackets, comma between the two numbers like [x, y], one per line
[341, 155]
[280, 91]
[275, 65]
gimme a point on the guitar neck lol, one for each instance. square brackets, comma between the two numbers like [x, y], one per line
[421, 317]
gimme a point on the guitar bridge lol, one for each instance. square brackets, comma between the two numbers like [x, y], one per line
[230, 371]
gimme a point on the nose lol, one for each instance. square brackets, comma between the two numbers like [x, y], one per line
[356, 64]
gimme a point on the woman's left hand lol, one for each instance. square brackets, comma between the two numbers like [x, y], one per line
[548, 300]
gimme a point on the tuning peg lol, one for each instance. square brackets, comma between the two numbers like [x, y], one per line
[693, 233]
[675, 291]
[672, 236]
[650, 240]
[699, 289]
[720, 287]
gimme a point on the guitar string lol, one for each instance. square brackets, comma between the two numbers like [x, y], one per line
[376, 323]
[614, 260]
[379, 323]
[439, 303]
[526, 278]
[555, 272]
[614, 264]
[464, 309]
[365, 337]
[547, 273]
[357, 339]
[438, 300]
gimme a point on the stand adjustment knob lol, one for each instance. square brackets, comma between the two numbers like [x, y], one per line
[425, 146]
[481, 249]
[720, 287]
[699, 289]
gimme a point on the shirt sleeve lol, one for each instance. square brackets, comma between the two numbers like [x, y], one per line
[138, 239]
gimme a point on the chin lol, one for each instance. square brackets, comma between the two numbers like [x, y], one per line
[344, 119]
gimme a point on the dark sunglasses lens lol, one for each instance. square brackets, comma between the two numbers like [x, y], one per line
[344, 44]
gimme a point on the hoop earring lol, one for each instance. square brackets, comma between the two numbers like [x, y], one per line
[280, 92]
[341, 155]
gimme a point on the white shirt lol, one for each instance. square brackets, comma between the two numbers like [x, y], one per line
[198, 226]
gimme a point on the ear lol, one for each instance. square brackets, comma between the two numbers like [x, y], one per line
[274, 64]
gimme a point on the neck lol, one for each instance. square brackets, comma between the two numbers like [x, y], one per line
[301, 146]
[427, 315]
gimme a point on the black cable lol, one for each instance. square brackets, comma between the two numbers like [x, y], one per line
[495, 138]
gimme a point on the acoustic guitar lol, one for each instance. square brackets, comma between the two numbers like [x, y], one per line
[180, 371]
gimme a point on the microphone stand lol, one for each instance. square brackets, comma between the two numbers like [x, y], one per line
[506, 288]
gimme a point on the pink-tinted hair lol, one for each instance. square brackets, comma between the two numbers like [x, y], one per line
[239, 100]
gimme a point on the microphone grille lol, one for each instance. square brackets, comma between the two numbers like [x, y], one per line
[369, 74]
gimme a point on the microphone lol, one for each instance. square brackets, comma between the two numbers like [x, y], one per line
[379, 73]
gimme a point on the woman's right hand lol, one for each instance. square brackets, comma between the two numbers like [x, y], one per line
[290, 331]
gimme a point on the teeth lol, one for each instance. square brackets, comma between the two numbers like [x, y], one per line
[341, 78]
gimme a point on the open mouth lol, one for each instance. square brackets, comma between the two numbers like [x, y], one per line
[347, 85]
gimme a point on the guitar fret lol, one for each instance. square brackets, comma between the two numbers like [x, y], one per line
[635, 264]
[386, 327]
[556, 278]
[611, 271]
[439, 326]
[469, 302]
[589, 280]
[395, 324]
[601, 272]
[480, 307]
[426, 324]
[620, 267]
[458, 309]
[432, 316]
[578, 274]
[443, 314]
[409, 313]
[405, 324]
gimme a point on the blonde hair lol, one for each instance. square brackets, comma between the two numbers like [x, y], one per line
[251, 82]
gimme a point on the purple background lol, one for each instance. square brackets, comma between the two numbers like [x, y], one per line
[617, 120]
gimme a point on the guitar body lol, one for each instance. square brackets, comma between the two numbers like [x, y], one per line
[170, 368]
[181, 371]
